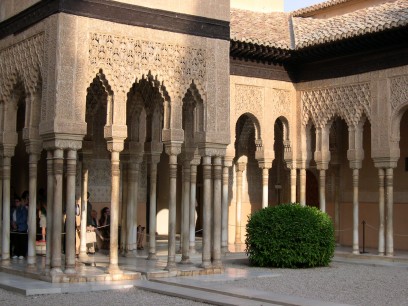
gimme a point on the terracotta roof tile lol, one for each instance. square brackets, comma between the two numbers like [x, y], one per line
[317, 7]
[310, 31]
[268, 29]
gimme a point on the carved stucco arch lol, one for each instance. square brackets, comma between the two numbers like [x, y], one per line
[350, 102]
[248, 121]
[399, 105]
[123, 58]
[193, 114]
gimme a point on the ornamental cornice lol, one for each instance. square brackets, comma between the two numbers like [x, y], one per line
[349, 102]
[123, 59]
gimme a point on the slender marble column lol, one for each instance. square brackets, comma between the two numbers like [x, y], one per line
[57, 212]
[216, 254]
[336, 182]
[240, 167]
[1, 204]
[70, 211]
[224, 206]
[123, 210]
[185, 254]
[131, 226]
[50, 209]
[356, 248]
[206, 255]
[84, 202]
[115, 196]
[381, 204]
[322, 189]
[153, 207]
[6, 209]
[32, 210]
[302, 178]
[390, 215]
[265, 190]
[171, 260]
[293, 184]
[193, 201]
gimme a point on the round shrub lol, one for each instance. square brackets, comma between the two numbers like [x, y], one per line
[290, 236]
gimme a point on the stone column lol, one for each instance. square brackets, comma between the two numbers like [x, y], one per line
[322, 158]
[1, 204]
[57, 212]
[32, 207]
[381, 205]
[50, 209]
[6, 207]
[356, 248]
[216, 254]
[206, 255]
[302, 179]
[240, 167]
[172, 150]
[336, 181]
[154, 160]
[123, 208]
[185, 255]
[131, 214]
[265, 165]
[293, 184]
[224, 204]
[389, 185]
[70, 212]
[115, 197]
[193, 200]
[84, 202]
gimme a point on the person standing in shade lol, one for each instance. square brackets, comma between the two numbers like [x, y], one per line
[21, 227]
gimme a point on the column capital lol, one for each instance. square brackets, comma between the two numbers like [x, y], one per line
[33, 146]
[212, 149]
[265, 163]
[172, 148]
[7, 150]
[385, 162]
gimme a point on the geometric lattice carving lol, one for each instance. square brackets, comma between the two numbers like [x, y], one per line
[249, 99]
[123, 59]
[22, 60]
[399, 91]
[348, 102]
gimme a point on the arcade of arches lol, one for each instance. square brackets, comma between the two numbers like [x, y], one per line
[162, 127]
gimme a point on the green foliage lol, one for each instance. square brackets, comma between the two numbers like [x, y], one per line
[290, 236]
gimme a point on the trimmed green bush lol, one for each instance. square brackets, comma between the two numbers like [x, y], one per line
[290, 236]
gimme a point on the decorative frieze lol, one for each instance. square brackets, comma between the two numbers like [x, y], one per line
[399, 91]
[249, 99]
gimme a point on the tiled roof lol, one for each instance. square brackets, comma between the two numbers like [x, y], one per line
[267, 29]
[310, 31]
[273, 29]
[318, 6]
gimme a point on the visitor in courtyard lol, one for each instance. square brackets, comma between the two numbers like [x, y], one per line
[42, 213]
[20, 226]
[104, 223]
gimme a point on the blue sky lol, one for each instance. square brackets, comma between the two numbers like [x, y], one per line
[291, 5]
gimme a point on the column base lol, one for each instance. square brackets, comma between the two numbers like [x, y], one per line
[171, 267]
[206, 265]
[130, 254]
[192, 250]
[390, 255]
[70, 270]
[114, 269]
[381, 254]
[152, 256]
[185, 260]
[356, 252]
[56, 271]
[31, 260]
[217, 264]
[224, 250]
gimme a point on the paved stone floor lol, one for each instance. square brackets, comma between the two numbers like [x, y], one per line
[238, 285]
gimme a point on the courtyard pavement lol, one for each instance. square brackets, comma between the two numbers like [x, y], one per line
[364, 279]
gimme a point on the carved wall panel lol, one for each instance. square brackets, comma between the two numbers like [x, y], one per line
[22, 60]
[249, 99]
[399, 91]
[280, 103]
[349, 102]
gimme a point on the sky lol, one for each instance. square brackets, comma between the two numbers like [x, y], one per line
[291, 5]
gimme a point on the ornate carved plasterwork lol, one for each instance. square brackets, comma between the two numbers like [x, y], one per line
[349, 102]
[280, 102]
[249, 99]
[399, 91]
[123, 59]
[22, 61]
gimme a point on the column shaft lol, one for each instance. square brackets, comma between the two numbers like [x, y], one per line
[265, 189]
[32, 210]
[6, 209]
[322, 190]
[185, 257]
[302, 178]
[84, 210]
[131, 226]
[224, 210]
[50, 208]
[206, 256]
[356, 249]
[193, 201]
[293, 185]
[57, 211]
[153, 210]
[390, 215]
[238, 208]
[171, 260]
[216, 254]
[70, 212]
[113, 251]
[381, 206]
